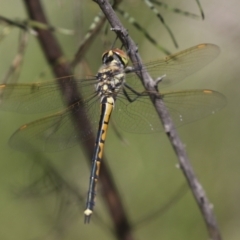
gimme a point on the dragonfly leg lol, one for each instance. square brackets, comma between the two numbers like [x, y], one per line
[138, 94]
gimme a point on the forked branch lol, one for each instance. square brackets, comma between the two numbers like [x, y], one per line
[196, 188]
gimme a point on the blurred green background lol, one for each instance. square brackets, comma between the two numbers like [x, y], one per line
[144, 168]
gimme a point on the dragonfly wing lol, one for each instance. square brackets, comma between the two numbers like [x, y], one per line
[138, 116]
[30, 98]
[191, 105]
[38, 97]
[57, 131]
[184, 107]
[178, 66]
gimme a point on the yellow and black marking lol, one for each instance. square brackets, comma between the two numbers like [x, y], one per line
[107, 105]
[111, 77]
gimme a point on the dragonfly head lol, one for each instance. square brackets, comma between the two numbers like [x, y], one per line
[115, 55]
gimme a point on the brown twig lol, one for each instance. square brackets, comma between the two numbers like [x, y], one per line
[14, 69]
[14, 23]
[61, 68]
[28, 26]
[197, 190]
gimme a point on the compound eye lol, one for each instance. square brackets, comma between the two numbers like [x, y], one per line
[116, 53]
[107, 56]
[122, 56]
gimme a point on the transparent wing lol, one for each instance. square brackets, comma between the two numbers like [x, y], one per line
[58, 131]
[184, 107]
[178, 66]
[38, 97]
[46, 96]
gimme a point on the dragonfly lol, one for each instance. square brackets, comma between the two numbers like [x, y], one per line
[114, 92]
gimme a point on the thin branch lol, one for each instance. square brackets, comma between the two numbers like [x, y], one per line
[175, 10]
[14, 23]
[143, 30]
[200, 9]
[196, 188]
[159, 16]
[61, 68]
[28, 25]
[14, 69]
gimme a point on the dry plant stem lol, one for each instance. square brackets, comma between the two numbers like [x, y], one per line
[196, 188]
[17, 61]
[13, 23]
[60, 67]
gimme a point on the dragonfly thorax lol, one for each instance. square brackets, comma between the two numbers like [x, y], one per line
[111, 75]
